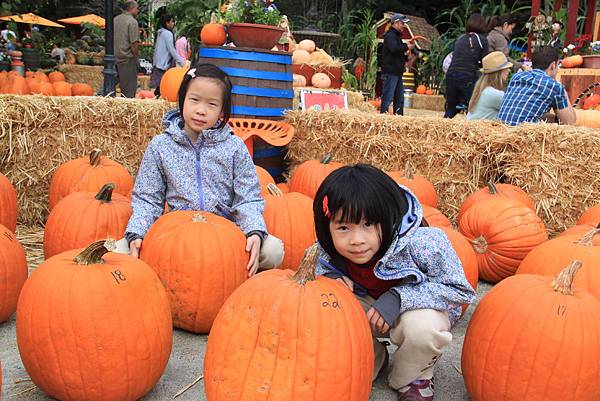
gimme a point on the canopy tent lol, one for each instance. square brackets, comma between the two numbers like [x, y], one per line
[88, 18]
[31, 18]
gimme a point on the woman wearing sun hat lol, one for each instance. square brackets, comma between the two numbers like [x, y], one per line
[489, 89]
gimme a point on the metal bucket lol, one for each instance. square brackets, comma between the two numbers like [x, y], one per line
[408, 98]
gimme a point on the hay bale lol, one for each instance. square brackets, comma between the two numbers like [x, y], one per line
[428, 102]
[85, 74]
[38, 133]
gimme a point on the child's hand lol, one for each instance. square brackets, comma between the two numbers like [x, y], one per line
[377, 322]
[347, 282]
[134, 248]
[253, 247]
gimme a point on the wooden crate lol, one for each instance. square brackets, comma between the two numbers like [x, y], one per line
[575, 80]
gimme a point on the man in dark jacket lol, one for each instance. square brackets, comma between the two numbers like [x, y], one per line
[392, 64]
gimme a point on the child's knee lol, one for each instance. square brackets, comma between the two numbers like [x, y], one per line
[271, 253]
[424, 329]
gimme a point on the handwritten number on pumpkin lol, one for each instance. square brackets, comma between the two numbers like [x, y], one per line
[330, 301]
[118, 276]
[562, 309]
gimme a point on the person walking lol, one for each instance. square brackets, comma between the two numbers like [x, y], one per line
[393, 59]
[126, 42]
[165, 54]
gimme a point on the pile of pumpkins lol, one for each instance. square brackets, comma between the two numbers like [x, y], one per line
[38, 82]
[589, 113]
[423, 90]
[306, 52]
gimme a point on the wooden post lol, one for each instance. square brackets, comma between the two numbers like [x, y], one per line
[590, 16]
[572, 9]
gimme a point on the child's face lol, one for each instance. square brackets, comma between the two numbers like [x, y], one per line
[356, 242]
[202, 105]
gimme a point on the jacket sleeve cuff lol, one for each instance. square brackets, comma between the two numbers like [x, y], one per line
[261, 234]
[333, 275]
[388, 306]
[129, 236]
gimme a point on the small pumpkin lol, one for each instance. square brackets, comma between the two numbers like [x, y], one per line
[418, 184]
[34, 86]
[145, 94]
[320, 56]
[13, 272]
[8, 204]
[41, 76]
[572, 61]
[435, 218]
[429, 92]
[299, 80]
[56, 76]
[591, 215]
[300, 56]
[79, 89]
[62, 88]
[493, 190]
[170, 83]
[421, 89]
[591, 101]
[321, 80]
[307, 45]
[213, 34]
[309, 175]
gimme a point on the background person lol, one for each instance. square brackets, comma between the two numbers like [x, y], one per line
[489, 89]
[126, 42]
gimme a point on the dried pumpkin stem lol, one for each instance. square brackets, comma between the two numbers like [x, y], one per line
[105, 193]
[199, 218]
[480, 244]
[95, 156]
[306, 271]
[274, 190]
[408, 172]
[492, 188]
[587, 239]
[93, 253]
[564, 282]
[326, 159]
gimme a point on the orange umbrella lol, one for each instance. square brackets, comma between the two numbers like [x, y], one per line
[31, 18]
[88, 18]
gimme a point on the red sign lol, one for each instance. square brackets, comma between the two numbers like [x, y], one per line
[323, 100]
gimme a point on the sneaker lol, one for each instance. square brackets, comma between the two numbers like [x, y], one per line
[419, 390]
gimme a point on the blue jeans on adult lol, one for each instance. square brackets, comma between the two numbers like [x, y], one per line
[459, 88]
[393, 93]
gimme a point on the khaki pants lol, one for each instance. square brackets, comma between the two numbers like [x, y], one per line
[128, 77]
[271, 253]
[420, 335]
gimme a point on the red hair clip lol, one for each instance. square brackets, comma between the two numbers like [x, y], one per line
[326, 207]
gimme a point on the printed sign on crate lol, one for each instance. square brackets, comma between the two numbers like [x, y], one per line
[322, 100]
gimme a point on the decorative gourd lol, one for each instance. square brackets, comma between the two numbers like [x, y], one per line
[419, 185]
[591, 215]
[527, 337]
[88, 174]
[8, 204]
[213, 34]
[321, 80]
[13, 272]
[56, 76]
[62, 88]
[170, 83]
[421, 89]
[307, 45]
[82, 90]
[550, 257]
[83, 217]
[264, 179]
[299, 80]
[94, 325]
[272, 340]
[435, 218]
[502, 231]
[198, 275]
[496, 191]
[145, 94]
[289, 217]
[309, 175]
[300, 56]
[572, 62]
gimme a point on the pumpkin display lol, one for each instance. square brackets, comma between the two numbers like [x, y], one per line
[493, 190]
[34, 86]
[13, 272]
[289, 217]
[41, 76]
[579, 229]
[309, 175]
[83, 217]
[170, 83]
[591, 215]
[82, 90]
[321, 80]
[264, 179]
[88, 174]
[16, 85]
[46, 89]
[435, 218]
[94, 325]
[213, 34]
[300, 56]
[502, 231]
[528, 335]
[299, 80]
[572, 62]
[272, 340]
[145, 94]
[419, 185]
[591, 101]
[56, 76]
[307, 45]
[421, 89]
[8, 204]
[549, 258]
[62, 88]
[198, 275]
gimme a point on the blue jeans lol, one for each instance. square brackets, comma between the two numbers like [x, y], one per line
[459, 88]
[393, 92]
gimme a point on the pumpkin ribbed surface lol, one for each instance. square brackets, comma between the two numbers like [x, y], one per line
[527, 341]
[493, 190]
[435, 218]
[502, 231]
[8, 204]
[98, 329]
[201, 259]
[579, 229]
[309, 175]
[13, 272]
[170, 83]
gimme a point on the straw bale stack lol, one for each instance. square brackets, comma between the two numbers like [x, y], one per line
[428, 102]
[87, 74]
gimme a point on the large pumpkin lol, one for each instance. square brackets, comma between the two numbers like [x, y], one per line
[502, 231]
[579, 229]
[496, 191]
[62, 88]
[8, 204]
[79, 89]
[274, 339]
[16, 85]
[309, 175]
[419, 185]
[13, 272]
[89, 174]
[201, 260]
[56, 76]
[83, 217]
[93, 325]
[213, 34]
[435, 218]
[170, 83]
[290, 218]
[591, 215]
[535, 339]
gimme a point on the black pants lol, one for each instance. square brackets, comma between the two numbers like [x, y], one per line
[459, 88]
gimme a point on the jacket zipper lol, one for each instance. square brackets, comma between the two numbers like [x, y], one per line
[197, 151]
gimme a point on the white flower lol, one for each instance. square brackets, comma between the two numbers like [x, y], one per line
[565, 50]
[571, 46]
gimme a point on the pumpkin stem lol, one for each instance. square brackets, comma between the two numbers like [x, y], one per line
[274, 190]
[480, 244]
[326, 159]
[306, 271]
[93, 253]
[95, 156]
[105, 193]
[492, 187]
[408, 173]
[564, 281]
[586, 240]
[199, 218]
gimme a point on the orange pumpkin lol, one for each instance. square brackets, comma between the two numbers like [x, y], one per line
[8, 204]
[421, 89]
[429, 92]
[79, 89]
[309, 175]
[529, 332]
[213, 35]
[88, 174]
[56, 76]
[119, 333]
[200, 279]
[62, 88]
[496, 191]
[264, 179]
[289, 217]
[145, 94]
[284, 187]
[572, 62]
[170, 83]
[502, 231]
[13, 272]
[34, 86]
[41, 76]
[579, 229]
[83, 217]
[273, 340]
[419, 185]
[16, 85]
[47, 89]
[591, 215]
[28, 74]
[435, 218]
[591, 101]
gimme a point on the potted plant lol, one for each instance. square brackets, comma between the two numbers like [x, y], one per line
[253, 23]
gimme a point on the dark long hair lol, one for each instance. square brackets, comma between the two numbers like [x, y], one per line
[162, 22]
[500, 20]
[477, 24]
